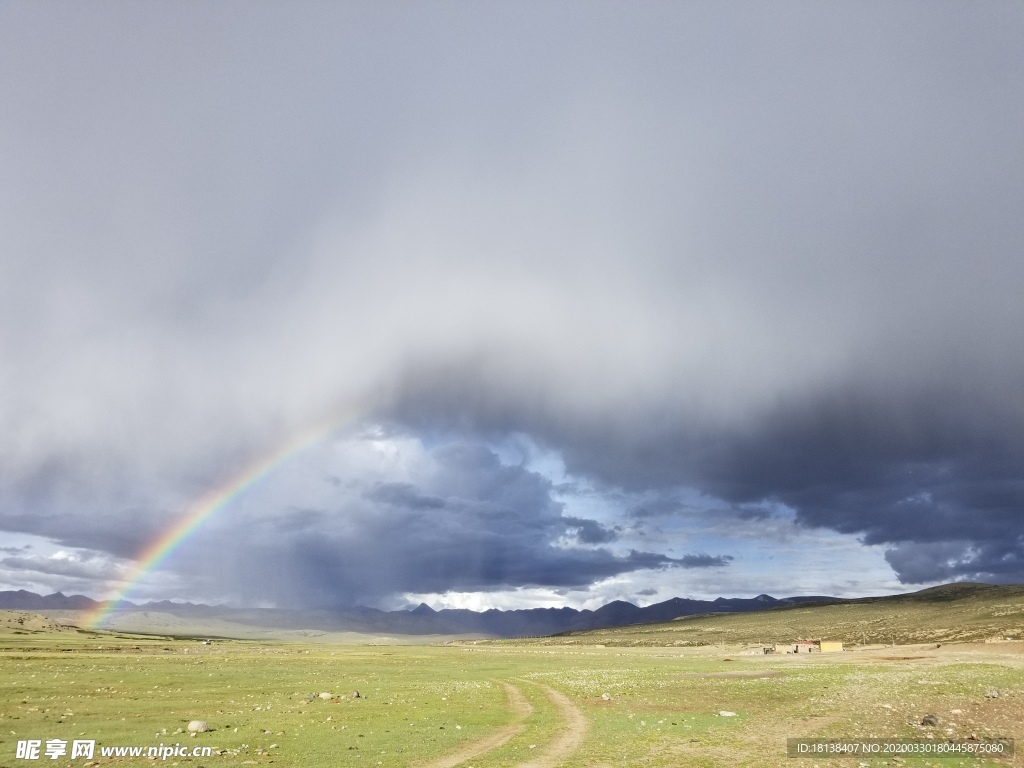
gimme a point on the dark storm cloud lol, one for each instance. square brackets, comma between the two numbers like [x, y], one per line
[335, 572]
[926, 469]
[403, 495]
[590, 531]
[668, 506]
[772, 255]
[656, 508]
[105, 515]
[488, 526]
[999, 561]
[929, 471]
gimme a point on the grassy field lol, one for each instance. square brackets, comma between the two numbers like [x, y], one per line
[954, 613]
[167, 624]
[491, 705]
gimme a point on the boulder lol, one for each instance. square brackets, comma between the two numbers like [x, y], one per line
[198, 726]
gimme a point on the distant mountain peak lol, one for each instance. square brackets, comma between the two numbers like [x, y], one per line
[423, 619]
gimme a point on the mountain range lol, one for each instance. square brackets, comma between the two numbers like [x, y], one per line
[424, 620]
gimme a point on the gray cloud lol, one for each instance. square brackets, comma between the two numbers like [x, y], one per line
[403, 495]
[661, 507]
[74, 567]
[705, 561]
[975, 560]
[933, 460]
[929, 468]
[773, 257]
[487, 526]
[590, 531]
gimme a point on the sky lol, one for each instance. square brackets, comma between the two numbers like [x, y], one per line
[591, 300]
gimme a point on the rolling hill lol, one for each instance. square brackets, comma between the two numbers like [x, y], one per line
[961, 612]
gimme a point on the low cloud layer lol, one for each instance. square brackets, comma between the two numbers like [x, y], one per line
[451, 518]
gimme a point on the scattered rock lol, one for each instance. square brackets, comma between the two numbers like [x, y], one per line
[355, 695]
[326, 696]
[198, 726]
[723, 713]
[606, 697]
[956, 711]
[309, 697]
[929, 720]
[993, 694]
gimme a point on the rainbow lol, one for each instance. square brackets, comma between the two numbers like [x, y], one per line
[198, 513]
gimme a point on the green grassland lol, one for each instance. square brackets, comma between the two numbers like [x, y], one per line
[948, 614]
[427, 705]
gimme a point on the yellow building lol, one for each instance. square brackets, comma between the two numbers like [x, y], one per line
[830, 646]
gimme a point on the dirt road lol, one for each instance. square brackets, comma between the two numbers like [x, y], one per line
[520, 708]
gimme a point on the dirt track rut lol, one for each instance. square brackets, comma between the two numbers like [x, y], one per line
[568, 740]
[521, 709]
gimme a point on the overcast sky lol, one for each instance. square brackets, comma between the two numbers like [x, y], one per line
[606, 300]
